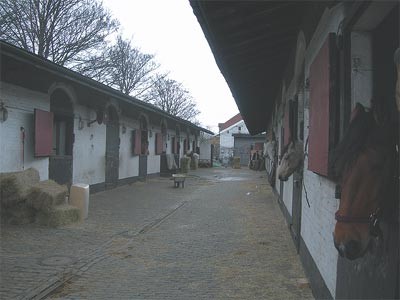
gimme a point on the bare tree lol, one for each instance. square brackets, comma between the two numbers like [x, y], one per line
[172, 97]
[60, 30]
[123, 67]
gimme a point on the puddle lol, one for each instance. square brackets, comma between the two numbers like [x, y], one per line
[233, 179]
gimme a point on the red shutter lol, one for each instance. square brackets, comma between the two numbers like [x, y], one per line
[159, 143]
[322, 81]
[43, 132]
[258, 146]
[136, 142]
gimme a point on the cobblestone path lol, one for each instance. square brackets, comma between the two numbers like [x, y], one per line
[221, 237]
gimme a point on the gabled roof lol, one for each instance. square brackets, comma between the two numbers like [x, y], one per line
[16, 63]
[232, 121]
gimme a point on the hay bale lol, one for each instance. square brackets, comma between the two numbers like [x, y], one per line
[58, 216]
[15, 186]
[194, 163]
[236, 162]
[185, 164]
[18, 215]
[46, 194]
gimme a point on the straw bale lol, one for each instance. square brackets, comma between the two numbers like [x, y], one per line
[46, 194]
[18, 215]
[15, 186]
[58, 216]
[185, 164]
[236, 162]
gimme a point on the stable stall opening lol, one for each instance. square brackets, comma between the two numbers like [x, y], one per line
[61, 159]
[374, 38]
[112, 147]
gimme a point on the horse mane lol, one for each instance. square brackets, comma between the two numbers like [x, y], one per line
[370, 128]
[353, 142]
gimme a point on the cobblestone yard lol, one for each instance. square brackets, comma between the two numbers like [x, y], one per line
[221, 237]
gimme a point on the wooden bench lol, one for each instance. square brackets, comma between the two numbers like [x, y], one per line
[178, 179]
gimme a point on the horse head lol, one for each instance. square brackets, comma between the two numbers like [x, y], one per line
[291, 160]
[365, 165]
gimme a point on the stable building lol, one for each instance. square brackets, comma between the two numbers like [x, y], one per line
[296, 71]
[73, 129]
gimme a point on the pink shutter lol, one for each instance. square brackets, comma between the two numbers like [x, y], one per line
[43, 132]
[322, 81]
[159, 143]
[136, 142]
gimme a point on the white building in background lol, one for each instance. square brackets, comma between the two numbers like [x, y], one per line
[234, 125]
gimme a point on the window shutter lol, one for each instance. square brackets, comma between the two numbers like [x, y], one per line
[43, 132]
[159, 143]
[323, 107]
[136, 142]
[258, 146]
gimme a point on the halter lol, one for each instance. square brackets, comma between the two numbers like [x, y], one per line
[372, 219]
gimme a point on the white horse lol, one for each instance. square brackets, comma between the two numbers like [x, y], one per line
[292, 159]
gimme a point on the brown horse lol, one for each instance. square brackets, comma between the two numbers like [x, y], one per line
[365, 163]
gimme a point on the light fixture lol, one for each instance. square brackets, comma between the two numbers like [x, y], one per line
[3, 113]
[81, 124]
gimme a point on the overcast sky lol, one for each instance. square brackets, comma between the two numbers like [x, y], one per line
[169, 30]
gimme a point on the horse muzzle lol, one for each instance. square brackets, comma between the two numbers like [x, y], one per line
[350, 250]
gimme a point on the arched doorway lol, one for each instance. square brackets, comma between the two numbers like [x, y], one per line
[112, 147]
[61, 160]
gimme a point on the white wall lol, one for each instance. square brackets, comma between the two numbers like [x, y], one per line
[205, 146]
[361, 71]
[288, 194]
[128, 163]
[171, 134]
[20, 104]
[153, 160]
[226, 138]
[89, 148]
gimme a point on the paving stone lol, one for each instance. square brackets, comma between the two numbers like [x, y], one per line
[211, 240]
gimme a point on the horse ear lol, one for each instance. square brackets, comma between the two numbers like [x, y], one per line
[356, 111]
